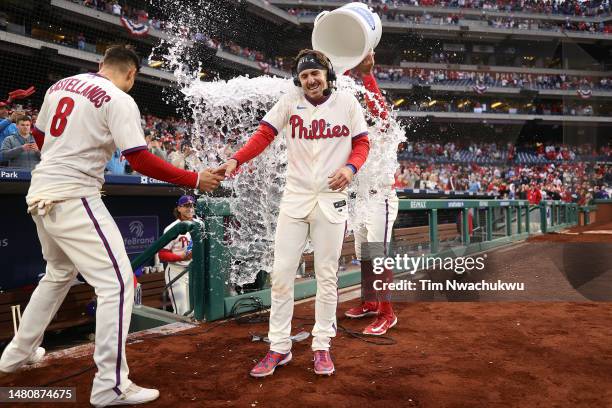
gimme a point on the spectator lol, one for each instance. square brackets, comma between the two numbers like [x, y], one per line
[20, 149]
[116, 9]
[81, 41]
[158, 149]
[117, 163]
[178, 254]
[7, 123]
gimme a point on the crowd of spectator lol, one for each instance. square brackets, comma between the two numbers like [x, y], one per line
[503, 106]
[123, 9]
[555, 7]
[578, 182]
[282, 63]
[469, 151]
[502, 22]
[491, 79]
[392, 14]
[546, 170]
[165, 138]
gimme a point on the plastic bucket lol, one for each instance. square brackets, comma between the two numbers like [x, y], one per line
[347, 34]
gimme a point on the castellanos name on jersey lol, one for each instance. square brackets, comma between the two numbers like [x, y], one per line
[85, 118]
[319, 142]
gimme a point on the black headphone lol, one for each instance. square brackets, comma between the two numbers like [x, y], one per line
[331, 74]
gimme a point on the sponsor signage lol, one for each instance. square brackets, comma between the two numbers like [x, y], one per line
[418, 204]
[138, 232]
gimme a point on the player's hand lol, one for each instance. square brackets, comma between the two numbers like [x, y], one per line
[340, 179]
[209, 180]
[188, 256]
[366, 66]
[227, 168]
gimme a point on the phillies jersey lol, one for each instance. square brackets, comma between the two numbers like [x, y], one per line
[319, 142]
[84, 118]
[180, 244]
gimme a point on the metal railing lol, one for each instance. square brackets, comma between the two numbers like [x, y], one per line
[497, 222]
[196, 274]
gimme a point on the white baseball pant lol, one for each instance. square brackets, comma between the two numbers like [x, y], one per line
[377, 227]
[290, 240]
[179, 291]
[79, 235]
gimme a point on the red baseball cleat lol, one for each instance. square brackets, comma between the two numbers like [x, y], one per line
[380, 325]
[363, 310]
[323, 364]
[269, 363]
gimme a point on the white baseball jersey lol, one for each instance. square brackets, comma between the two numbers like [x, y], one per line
[179, 244]
[84, 118]
[319, 142]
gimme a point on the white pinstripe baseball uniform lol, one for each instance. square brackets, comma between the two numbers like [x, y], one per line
[319, 141]
[84, 118]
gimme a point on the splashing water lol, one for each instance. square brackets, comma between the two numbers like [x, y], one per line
[225, 114]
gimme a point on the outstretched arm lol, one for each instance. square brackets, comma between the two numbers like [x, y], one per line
[257, 143]
[150, 165]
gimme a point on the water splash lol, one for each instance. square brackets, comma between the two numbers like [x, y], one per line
[225, 114]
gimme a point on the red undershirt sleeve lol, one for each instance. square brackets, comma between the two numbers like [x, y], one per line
[39, 137]
[150, 165]
[377, 105]
[166, 255]
[263, 136]
[359, 153]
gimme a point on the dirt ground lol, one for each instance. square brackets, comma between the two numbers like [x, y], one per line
[579, 234]
[447, 354]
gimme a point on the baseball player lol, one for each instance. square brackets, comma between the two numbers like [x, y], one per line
[326, 136]
[178, 256]
[82, 121]
[381, 214]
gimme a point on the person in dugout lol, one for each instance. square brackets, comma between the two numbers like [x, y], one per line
[178, 255]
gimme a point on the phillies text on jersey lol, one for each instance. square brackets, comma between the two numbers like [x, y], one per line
[319, 142]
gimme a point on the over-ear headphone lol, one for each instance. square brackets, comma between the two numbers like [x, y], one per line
[320, 57]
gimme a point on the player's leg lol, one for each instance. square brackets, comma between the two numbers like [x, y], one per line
[289, 242]
[368, 306]
[179, 291]
[44, 303]
[327, 241]
[88, 235]
[380, 226]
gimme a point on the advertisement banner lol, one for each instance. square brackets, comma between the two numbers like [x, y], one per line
[138, 232]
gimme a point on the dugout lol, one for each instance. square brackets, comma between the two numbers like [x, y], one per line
[142, 208]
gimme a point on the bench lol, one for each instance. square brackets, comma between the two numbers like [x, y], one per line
[73, 311]
[401, 237]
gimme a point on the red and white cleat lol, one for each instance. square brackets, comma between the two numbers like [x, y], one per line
[380, 325]
[363, 310]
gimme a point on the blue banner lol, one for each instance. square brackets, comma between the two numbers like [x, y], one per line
[138, 232]
[15, 174]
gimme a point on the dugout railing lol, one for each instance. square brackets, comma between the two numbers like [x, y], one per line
[515, 218]
[144, 317]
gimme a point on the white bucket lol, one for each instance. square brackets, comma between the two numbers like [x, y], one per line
[346, 35]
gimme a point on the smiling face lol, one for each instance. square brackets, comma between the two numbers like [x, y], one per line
[314, 82]
[186, 212]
